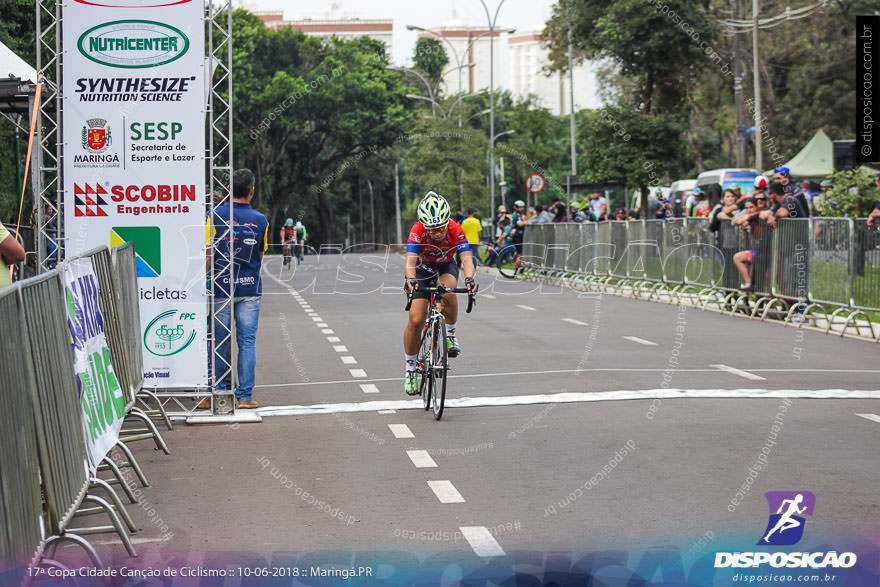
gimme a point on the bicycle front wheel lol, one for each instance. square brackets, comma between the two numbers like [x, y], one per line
[439, 367]
[425, 379]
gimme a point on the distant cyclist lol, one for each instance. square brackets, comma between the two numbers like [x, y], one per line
[301, 236]
[432, 244]
[288, 240]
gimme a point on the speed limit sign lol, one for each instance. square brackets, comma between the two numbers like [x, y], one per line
[535, 183]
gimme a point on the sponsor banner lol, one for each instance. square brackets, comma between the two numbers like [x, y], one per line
[134, 168]
[100, 397]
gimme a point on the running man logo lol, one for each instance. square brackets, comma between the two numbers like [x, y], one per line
[147, 247]
[786, 526]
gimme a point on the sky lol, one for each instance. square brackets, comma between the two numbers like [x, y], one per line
[523, 15]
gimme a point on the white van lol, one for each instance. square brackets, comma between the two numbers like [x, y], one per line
[654, 190]
[744, 178]
[678, 193]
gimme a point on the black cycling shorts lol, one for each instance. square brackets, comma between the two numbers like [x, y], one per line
[429, 278]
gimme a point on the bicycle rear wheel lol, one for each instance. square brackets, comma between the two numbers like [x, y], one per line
[425, 371]
[506, 258]
[439, 366]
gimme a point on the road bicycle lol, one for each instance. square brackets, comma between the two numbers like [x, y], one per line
[503, 259]
[432, 364]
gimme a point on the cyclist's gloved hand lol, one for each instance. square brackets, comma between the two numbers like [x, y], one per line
[471, 285]
[411, 284]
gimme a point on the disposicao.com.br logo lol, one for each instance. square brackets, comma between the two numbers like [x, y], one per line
[785, 527]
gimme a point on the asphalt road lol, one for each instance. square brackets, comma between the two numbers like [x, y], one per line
[578, 429]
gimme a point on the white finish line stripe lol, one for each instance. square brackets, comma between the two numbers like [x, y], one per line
[640, 340]
[529, 308]
[571, 397]
[401, 431]
[739, 372]
[421, 459]
[321, 325]
[369, 388]
[445, 491]
[575, 322]
[481, 540]
[317, 319]
[871, 417]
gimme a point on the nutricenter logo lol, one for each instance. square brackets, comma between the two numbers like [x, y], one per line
[785, 528]
[133, 44]
[131, 3]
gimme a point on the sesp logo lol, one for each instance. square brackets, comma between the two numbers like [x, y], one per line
[786, 524]
[168, 334]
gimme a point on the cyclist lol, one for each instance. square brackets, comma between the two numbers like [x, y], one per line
[518, 222]
[432, 244]
[288, 240]
[301, 236]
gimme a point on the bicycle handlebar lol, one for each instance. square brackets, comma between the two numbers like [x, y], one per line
[441, 289]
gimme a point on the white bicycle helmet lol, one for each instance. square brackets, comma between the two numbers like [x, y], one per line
[434, 211]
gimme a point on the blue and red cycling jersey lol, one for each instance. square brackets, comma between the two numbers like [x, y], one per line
[432, 254]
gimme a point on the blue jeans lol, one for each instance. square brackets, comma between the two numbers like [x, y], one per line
[247, 318]
[474, 250]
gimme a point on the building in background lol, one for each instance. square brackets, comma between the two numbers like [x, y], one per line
[471, 45]
[529, 60]
[343, 26]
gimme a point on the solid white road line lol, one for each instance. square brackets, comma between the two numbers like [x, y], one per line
[340, 348]
[573, 321]
[359, 373]
[739, 372]
[369, 388]
[445, 491]
[332, 339]
[570, 397]
[348, 360]
[593, 370]
[481, 540]
[385, 412]
[524, 307]
[401, 431]
[640, 340]
[871, 417]
[421, 459]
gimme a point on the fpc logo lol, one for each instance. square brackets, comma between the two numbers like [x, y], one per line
[786, 524]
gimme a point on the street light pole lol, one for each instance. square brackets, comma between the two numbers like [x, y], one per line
[492, 101]
[571, 107]
[759, 163]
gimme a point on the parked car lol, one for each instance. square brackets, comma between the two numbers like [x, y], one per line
[725, 177]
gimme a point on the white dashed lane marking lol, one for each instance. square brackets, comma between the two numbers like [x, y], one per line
[524, 307]
[329, 331]
[369, 388]
[487, 296]
[386, 412]
[638, 340]
[359, 373]
[575, 322]
[317, 319]
[340, 348]
[322, 325]
[421, 459]
[871, 417]
[332, 338]
[348, 360]
[481, 540]
[445, 491]
[740, 372]
[401, 431]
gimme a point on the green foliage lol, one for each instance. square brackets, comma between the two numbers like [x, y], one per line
[629, 146]
[430, 58]
[854, 194]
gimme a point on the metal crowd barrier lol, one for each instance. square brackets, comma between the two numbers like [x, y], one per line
[45, 471]
[799, 267]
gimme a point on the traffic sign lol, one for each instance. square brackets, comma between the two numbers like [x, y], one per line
[535, 183]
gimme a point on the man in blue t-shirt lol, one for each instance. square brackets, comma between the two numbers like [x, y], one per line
[248, 232]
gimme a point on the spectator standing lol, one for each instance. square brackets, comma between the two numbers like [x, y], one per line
[11, 252]
[598, 207]
[785, 205]
[874, 216]
[744, 260]
[783, 176]
[472, 228]
[574, 212]
[559, 213]
[620, 214]
[541, 216]
[248, 230]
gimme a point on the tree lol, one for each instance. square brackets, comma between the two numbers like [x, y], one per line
[632, 147]
[661, 45]
[430, 58]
